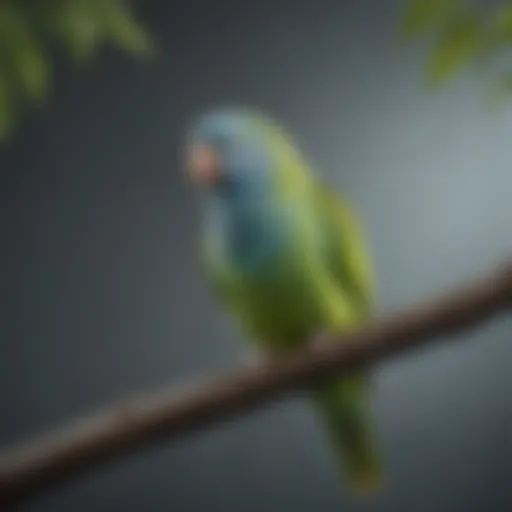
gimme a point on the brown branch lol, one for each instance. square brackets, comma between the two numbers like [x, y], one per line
[114, 433]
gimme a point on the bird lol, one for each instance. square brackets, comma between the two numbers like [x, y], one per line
[286, 256]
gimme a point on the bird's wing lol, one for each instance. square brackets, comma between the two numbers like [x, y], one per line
[346, 249]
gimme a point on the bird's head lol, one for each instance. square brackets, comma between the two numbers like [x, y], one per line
[236, 155]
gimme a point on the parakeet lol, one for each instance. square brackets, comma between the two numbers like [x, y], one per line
[287, 257]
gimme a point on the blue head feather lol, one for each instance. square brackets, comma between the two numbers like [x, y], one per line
[245, 159]
[242, 208]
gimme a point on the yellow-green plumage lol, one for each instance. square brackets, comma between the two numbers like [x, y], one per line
[313, 274]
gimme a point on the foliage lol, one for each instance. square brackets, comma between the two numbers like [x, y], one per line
[465, 33]
[31, 31]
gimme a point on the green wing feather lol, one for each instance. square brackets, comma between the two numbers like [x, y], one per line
[347, 252]
[344, 402]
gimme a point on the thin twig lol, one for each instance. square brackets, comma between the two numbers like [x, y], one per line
[58, 457]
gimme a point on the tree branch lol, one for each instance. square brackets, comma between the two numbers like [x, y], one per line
[114, 433]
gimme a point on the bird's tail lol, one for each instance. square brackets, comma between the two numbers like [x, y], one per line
[344, 407]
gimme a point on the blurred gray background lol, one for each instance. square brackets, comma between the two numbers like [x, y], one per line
[102, 295]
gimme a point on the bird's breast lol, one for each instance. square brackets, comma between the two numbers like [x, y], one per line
[263, 267]
[255, 243]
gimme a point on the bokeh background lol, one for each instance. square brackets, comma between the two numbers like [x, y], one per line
[102, 295]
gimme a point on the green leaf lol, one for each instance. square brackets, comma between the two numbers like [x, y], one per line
[500, 22]
[22, 54]
[458, 44]
[420, 16]
[85, 24]
[33, 71]
[122, 28]
[77, 27]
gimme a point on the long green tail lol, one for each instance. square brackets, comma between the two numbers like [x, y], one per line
[344, 407]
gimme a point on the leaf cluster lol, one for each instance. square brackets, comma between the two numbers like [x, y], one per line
[31, 31]
[464, 33]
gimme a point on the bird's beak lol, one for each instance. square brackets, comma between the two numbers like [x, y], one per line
[203, 164]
